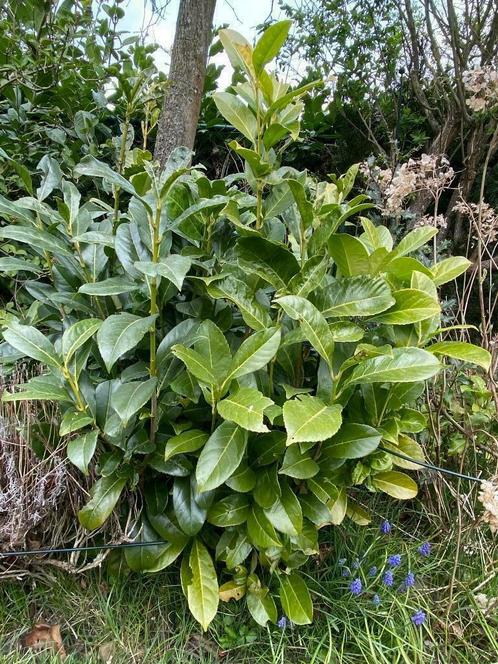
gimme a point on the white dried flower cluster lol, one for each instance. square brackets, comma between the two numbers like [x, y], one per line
[488, 222]
[488, 496]
[488, 605]
[438, 221]
[482, 86]
[431, 173]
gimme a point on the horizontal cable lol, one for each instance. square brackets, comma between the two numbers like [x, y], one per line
[431, 466]
[130, 545]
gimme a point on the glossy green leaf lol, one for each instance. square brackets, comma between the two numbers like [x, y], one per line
[41, 240]
[38, 388]
[254, 353]
[286, 514]
[31, 342]
[459, 350]
[414, 240]
[352, 441]
[237, 114]
[255, 315]
[246, 408]
[296, 599]
[120, 333]
[260, 530]
[174, 268]
[220, 456]
[202, 589]
[403, 365]
[80, 450]
[270, 43]
[229, 511]
[9, 264]
[261, 606]
[187, 441]
[308, 419]
[272, 261]
[349, 254]
[78, 334]
[111, 286]
[449, 269]
[396, 484]
[128, 398]
[104, 494]
[411, 305]
[72, 421]
[297, 464]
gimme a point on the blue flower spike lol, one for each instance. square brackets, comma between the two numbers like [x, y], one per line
[385, 527]
[388, 578]
[356, 587]
[372, 571]
[394, 561]
[376, 600]
[410, 580]
[282, 622]
[425, 549]
[418, 618]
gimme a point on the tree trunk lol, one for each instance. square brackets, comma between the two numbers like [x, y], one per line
[182, 101]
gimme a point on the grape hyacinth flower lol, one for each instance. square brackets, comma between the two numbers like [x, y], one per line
[376, 600]
[394, 561]
[355, 564]
[372, 571]
[345, 572]
[356, 587]
[425, 549]
[410, 580]
[385, 527]
[418, 618]
[282, 622]
[388, 578]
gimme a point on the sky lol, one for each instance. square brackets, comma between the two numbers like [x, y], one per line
[241, 15]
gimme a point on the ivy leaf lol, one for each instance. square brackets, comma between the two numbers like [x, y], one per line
[308, 419]
[202, 589]
[120, 333]
[220, 456]
[295, 598]
[246, 408]
[80, 450]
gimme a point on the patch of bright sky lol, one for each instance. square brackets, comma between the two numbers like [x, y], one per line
[241, 15]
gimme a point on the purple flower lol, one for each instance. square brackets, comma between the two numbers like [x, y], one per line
[282, 623]
[394, 561]
[345, 572]
[418, 618]
[356, 587]
[355, 564]
[425, 549]
[385, 527]
[410, 580]
[376, 600]
[388, 578]
[372, 571]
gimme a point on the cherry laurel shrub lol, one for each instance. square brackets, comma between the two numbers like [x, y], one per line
[236, 358]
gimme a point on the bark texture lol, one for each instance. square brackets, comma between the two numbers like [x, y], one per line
[182, 101]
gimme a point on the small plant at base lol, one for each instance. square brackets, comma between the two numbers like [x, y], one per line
[237, 358]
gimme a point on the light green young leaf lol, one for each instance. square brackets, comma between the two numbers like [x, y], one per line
[396, 484]
[173, 267]
[352, 441]
[349, 254]
[254, 353]
[308, 419]
[449, 269]
[358, 296]
[246, 408]
[411, 305]
[414, 239]
[237, 114]
[187, 441]
[270, 43]
[459, 350]
[202, 590]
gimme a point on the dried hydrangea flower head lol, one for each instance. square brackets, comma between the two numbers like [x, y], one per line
[483, 218]
[488, 496]
[482, 87]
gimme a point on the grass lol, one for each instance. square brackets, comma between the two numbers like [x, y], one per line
[143, 619]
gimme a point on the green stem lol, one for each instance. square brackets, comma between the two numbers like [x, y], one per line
[121, 163]
[154, 309]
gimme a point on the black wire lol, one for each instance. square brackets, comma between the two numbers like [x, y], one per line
[96, 547]
[129, 545]
[431, 466]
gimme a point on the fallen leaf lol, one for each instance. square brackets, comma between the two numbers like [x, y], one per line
[44, 637]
